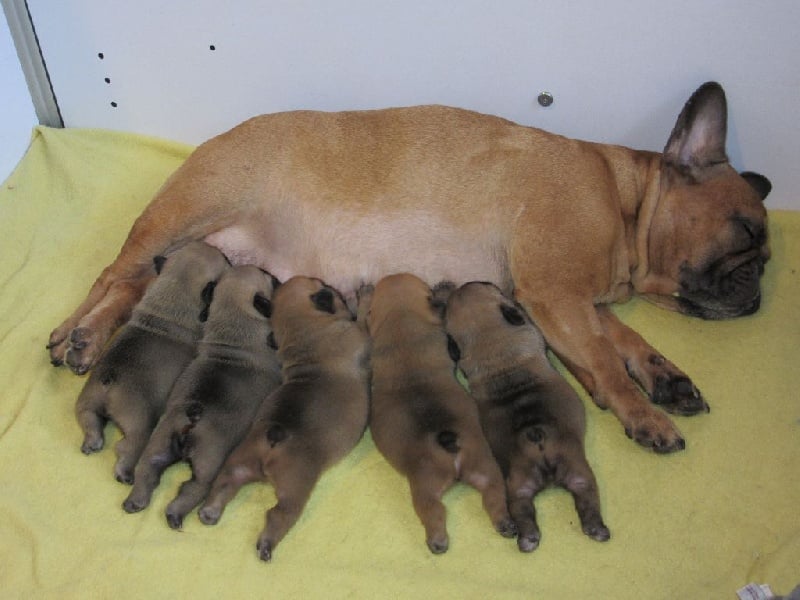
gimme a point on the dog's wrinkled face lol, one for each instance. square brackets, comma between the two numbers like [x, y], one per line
[707, 239]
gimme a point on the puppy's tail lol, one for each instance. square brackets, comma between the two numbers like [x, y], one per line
[448, 440]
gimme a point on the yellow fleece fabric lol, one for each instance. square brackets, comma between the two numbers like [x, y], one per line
[697, 524]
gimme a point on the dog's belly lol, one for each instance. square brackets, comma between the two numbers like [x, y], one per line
[346, 249]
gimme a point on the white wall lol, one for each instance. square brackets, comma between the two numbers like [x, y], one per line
[619, 70]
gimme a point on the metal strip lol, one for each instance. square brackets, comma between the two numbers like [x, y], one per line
[33, 64]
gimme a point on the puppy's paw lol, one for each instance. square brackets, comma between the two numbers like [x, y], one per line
[174, 520]
[597, 531]
[264, 549]
[653, 429]
[92, 444]
[209, 515]
[678, 395]
[133, 505]
[123, 475]
[439, 544]
[529, 542]
[507, 528]
[82, 350]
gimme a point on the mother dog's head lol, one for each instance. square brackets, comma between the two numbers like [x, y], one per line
[705, 243]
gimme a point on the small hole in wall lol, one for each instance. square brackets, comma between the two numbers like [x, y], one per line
[100, 55]
[107, 79]
[114, 104]
[212, 47]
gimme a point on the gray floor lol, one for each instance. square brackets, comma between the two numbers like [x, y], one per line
[17, 116]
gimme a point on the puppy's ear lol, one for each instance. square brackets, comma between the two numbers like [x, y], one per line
[275, 281]
[452, 349]
[758, 182]
[158, 263]
[512, 315]
[262, 305]
[207, 296]
[275, 435]
[323, 301]
[698, 138]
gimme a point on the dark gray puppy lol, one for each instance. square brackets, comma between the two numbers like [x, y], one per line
[133, 378]
[533, 419]
[314, 419]
[213, 402]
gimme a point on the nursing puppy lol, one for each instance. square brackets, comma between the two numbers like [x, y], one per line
[534, 421]
[133, 378]
[313, 420]
[368, 193]
[214, 400]
[422, 420]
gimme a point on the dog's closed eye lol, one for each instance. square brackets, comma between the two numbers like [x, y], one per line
[323, 300]
[262, 305]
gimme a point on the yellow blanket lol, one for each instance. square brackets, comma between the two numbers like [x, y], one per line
[698, 524]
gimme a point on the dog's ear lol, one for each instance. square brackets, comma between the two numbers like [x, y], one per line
[512, 315]
[452, 349]
[263, 305]
[323, 301]
[158, 263]
[698, 138]
[207, 295]
[275, 281]
[759, 183]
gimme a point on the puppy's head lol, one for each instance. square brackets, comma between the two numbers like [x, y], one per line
[402, 293]
[704, 249]
[241, 298]
[187, 275]
[306, 300]
[479, 313]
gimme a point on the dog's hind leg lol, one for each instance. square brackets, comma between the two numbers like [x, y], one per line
[188, 207]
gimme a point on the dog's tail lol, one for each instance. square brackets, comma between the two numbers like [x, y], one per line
[448, 440]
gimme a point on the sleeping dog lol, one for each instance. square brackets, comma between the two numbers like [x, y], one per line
[314, 419]
[133, 378]
[533, 419]
[422, 420]
[214, 400]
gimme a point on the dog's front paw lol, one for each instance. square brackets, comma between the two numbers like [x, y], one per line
[529, 541]
[653, 429]
[82, 350]
[597, 531]
[678, 395]
[507, 528]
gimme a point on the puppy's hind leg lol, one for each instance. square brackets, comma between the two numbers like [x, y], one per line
[522, 489]
[428, 484]
[206, 456]
[136, 426]
[483, 473]
[581, 483]
[243, 466]
[91, 416]
[294, 481]
[161, 451]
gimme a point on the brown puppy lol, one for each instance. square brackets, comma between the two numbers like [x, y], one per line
[353, 196]
[214, 400]
[314, 419]
[534, 421]
[133, 378]
[422, 420]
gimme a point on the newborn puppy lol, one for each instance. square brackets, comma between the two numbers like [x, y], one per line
[314, 419]
[214, 400]
[133, 378]
[532, 417]
[422, 419]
